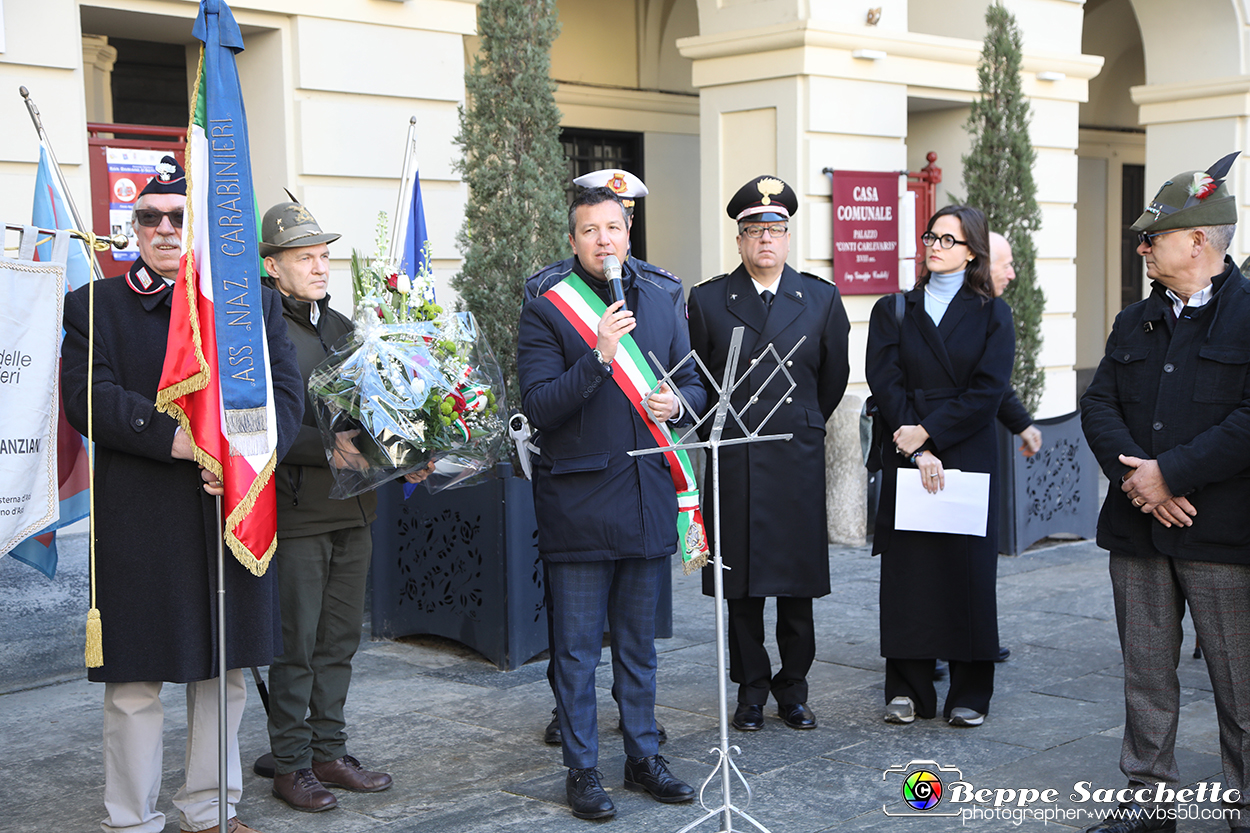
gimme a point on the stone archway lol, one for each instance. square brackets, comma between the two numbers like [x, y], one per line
[1194, 102]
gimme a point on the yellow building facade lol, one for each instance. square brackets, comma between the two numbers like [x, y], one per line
[1124, 93]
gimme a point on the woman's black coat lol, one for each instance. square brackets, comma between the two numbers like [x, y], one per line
[937, 590]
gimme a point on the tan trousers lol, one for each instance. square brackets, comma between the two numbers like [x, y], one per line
[133, 722]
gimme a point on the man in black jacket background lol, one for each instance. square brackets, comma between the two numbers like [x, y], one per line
[1168, 417]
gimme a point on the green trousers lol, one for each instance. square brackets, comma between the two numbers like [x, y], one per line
[321, 591]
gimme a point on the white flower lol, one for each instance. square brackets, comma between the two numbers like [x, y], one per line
[404, 285]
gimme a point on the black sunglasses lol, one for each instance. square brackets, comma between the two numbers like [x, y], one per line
[1147, 238]
[150, 218]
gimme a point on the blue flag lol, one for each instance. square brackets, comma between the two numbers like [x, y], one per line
[417, 259]
[51, 211]
[234, 260]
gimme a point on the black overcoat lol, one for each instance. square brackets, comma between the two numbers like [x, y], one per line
[1178, 392]
[773, 531]
[156, 552]
[937, 590]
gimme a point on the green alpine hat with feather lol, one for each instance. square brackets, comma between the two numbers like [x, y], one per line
[1192, 199]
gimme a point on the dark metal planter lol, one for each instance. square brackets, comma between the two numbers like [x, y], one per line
[1055, 491]
[464, 564]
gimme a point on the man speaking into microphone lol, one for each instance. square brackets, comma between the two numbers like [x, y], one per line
[607, 522]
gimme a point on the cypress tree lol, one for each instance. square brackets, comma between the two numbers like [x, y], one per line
[998, 173]
[516, 219]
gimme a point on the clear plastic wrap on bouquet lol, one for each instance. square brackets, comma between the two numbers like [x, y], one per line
[399, 397]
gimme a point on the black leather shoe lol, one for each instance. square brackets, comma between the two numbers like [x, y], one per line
[264, 765]
[587, 798]
[553, 735]
[1131, 817]
[1003, 654]
[651, 775]
[659, 730]
[748, 717]
[796, 715]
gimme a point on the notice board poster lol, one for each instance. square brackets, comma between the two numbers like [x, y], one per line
[865, 232]
[129, 171]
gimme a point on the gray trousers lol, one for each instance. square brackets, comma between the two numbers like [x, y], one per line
[321, 591]
[1151, 591]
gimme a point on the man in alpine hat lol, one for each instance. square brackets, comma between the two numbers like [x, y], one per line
[324, 545]
[157, 533]
[774, 538]
[1168, 417]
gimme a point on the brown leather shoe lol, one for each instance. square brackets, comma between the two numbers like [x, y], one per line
[347, 773]
[232, 826]
[303, 791]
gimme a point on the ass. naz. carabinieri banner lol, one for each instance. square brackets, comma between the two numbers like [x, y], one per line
[865, 232]
[30, 333]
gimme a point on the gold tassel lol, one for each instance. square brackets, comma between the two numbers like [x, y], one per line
[95, 640]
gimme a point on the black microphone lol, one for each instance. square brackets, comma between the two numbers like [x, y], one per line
[612, 270]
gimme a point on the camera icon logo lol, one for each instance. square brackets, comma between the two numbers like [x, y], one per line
[924, 783]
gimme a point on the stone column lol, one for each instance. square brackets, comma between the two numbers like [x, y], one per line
[846, 479]
[97, 76]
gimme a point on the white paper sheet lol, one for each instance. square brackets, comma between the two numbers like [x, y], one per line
[960, 508]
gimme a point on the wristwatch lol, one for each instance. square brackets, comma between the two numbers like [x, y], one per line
[607, 367]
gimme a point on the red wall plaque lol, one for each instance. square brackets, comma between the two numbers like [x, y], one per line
[865, 232]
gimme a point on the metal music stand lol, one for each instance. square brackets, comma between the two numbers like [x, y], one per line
[718, 415]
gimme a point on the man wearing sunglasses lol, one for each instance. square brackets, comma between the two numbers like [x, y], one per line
[156, 533]
[1168, 417]
[774, 537]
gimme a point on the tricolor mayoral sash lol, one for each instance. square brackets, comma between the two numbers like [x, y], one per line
[578, 303]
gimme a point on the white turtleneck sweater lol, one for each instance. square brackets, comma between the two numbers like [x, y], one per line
[939, 291]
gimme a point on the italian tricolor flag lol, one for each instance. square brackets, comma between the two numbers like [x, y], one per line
[226, 410]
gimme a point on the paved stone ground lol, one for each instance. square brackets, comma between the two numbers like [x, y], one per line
[463, 740]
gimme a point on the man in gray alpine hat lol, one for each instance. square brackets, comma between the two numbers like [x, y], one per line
[1168, 417]
[324, 545]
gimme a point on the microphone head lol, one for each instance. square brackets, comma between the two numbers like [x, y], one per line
[611, 267]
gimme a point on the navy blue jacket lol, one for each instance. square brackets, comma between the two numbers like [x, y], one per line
[593, 501]
[1178, 392]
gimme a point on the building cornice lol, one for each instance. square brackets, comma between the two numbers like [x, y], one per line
[809, 34]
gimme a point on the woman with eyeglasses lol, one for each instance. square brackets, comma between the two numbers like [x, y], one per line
[938, 372]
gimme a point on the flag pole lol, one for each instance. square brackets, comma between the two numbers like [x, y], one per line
[223, 808]
[33, 109]
[402, 205]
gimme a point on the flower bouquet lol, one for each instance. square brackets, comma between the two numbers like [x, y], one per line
[414, 386]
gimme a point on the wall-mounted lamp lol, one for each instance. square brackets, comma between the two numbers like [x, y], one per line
[1051, 76]
[869, 54]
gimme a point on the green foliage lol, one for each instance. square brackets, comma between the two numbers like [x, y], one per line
[998, 173]
[516, 218]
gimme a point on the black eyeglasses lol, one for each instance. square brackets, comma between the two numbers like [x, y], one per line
[150, 218]
[1147, 238]
[755, 232]
[946, 241]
